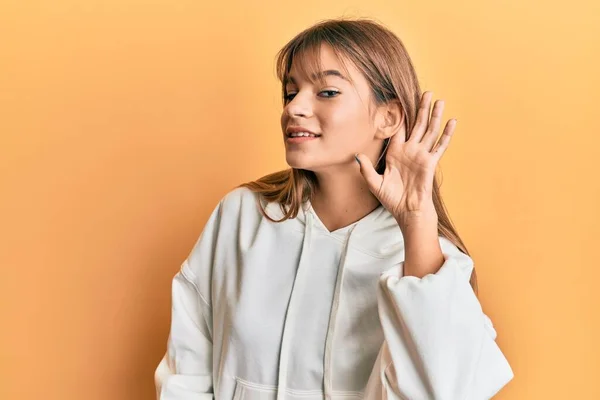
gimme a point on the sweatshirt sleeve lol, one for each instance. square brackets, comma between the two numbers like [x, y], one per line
[438, 343]
[185, 371]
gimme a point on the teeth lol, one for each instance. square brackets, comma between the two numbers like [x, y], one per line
[302, 134]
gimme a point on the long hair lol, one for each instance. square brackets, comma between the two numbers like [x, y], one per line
[383, 60]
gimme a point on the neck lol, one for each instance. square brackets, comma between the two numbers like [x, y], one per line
[342, 197]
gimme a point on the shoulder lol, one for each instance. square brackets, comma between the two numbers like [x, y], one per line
[240, 203]
[239, 199]
[237, 196]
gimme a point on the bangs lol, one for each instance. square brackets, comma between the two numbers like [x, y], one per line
[305, 52]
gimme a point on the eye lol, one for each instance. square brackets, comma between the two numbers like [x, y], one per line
[335, 92]
[332, 93]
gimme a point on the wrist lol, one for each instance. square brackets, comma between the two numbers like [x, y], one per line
[424, 216]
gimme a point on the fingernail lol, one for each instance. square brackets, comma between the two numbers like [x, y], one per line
[357, 160]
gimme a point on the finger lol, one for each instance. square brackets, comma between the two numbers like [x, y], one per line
[371, 176]
[434, 125]
[444, 141]
[422, 117]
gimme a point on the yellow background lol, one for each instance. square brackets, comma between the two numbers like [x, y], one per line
[123, 122]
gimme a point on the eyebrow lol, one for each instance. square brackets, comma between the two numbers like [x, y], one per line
[329, 72]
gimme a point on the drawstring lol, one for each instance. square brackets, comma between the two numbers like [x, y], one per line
[327, 379]
[290, 319]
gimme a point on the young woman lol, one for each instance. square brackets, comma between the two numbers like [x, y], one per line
[342, 277]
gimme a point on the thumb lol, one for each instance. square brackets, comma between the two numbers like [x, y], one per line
[368, 172]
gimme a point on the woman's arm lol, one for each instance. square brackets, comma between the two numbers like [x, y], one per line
[438, 342]
[185, 371]
[422, 250]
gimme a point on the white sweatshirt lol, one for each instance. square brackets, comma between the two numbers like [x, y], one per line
[289, 310]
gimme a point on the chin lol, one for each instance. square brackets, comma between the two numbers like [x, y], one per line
[297, 165]
[299, 161]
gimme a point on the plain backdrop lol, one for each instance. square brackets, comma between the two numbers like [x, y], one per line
[123, 122]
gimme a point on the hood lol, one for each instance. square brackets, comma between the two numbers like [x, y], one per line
[376, 234]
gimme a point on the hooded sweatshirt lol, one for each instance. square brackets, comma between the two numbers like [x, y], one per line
[266, 310]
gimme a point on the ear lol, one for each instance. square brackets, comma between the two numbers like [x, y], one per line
[391, 120]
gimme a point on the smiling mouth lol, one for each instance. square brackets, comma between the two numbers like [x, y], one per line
[302, 134]
[301, 139]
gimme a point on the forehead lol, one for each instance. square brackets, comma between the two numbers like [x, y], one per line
[305, 65]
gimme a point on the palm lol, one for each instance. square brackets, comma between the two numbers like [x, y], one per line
[406, 186]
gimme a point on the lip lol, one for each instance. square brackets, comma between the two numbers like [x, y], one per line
[293, 129]
[300, 139]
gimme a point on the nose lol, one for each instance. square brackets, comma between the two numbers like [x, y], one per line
[299, 107]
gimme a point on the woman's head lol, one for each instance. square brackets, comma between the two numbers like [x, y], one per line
[338, 108]
[380, 97]
[374, 96]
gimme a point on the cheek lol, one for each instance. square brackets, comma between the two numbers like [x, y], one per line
[347, 123]
[283, 120]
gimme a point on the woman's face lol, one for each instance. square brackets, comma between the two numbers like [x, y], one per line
[337, 112]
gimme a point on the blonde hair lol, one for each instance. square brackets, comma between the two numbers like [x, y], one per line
[383, 60]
